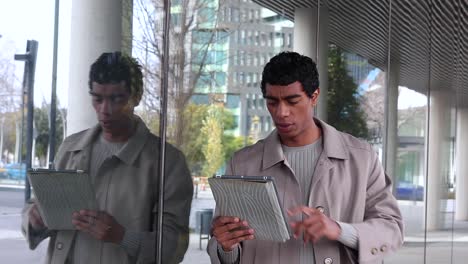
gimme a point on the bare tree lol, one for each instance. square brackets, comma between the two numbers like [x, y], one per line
[10, 105]
[194, 31]
[10, 92]
[372, 103]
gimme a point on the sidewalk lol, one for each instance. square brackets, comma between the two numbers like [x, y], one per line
[194, 255]
[442, 246]
[14, 249]
[204, 200]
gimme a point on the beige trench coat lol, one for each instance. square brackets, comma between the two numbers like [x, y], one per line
[348, 182]
[127, 189]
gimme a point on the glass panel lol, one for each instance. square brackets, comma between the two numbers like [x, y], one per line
[440, 196]
[409, 180]
[354, 87]
[460, 172]
[440, 203]
[218, 50]
[461, 181]
[215, 106]
[356, 82]
[406, 154]
[434, 227]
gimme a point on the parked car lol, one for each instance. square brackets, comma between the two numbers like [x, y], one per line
[3, 173]
[16, 171]
[409, 191]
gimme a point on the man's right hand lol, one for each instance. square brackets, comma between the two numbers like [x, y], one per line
[35, 218]
[230, 231]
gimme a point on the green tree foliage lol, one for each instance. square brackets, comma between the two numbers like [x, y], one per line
[212, 132]
[230, 142]
[344, 111]
[41, 131]
[194, 139]
[198, 118]
[10, 121]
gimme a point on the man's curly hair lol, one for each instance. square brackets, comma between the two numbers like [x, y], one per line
[288, 67]
[115, 67]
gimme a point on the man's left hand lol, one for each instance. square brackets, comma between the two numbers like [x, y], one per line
[99, 224]
[314, 225]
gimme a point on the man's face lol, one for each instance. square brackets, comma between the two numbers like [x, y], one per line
[113, 108]
[292, 111]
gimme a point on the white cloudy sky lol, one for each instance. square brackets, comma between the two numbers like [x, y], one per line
[22, 20]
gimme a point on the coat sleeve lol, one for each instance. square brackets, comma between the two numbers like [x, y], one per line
[381, 232]
[212, 247]
[33, 237]
[178, 193]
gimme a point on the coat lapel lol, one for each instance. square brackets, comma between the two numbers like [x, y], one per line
[333, 149]
[272, 151]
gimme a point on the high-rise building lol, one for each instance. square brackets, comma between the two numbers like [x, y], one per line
[246, 37]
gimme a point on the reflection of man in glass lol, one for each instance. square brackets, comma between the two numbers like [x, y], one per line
[338, 198]
[121, 155]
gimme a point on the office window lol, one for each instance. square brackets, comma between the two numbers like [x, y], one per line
[220, 78]
[234, 78]
[233, 101]
[241, 78]
[200, 99]
[290, 40]
[234, 14]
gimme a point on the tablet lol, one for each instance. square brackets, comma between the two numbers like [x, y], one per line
[254, 199]
[59, 193]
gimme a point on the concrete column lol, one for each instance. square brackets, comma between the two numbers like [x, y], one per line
[438, 157]
[305, 42]
[391, 132]
[461, 165]
[96, 27]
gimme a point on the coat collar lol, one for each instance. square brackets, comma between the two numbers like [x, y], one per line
[333, 145]
[130, 151]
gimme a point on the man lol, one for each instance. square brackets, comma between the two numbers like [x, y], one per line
[121, 156]
[338, 198]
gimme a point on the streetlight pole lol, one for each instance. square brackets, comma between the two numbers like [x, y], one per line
[53, 101]
[28, 90]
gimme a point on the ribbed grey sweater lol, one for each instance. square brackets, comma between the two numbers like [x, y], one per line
[302, 161]
[102, 150]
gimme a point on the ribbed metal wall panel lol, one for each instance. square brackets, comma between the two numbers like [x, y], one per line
[429, 38]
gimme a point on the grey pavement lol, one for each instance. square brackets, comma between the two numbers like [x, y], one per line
[444, 246]
[14, 249]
